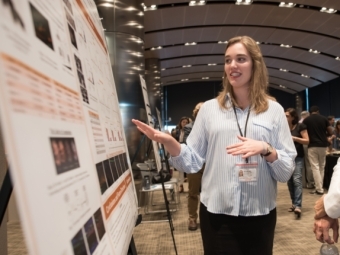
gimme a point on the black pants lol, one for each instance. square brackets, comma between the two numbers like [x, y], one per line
[230, 235]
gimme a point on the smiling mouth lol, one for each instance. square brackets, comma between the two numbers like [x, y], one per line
[235, 75]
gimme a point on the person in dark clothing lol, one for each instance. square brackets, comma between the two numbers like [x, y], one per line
[318, 129]
[300, 137]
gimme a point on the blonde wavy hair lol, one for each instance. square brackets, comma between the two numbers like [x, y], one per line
[259, 78]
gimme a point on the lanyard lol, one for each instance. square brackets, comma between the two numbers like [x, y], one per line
[238, 125]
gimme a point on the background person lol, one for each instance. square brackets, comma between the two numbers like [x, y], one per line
[318, 128]
[241, 124]
[194, 180]
[327, 211]
[178, 134]
[300, 137]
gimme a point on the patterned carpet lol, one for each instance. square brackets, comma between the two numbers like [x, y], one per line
[292, 236]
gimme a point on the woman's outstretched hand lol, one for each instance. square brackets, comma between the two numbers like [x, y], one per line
[170, 144]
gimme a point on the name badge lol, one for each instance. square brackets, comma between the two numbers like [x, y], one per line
[247, 172]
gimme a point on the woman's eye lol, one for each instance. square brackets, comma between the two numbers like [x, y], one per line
[241, 59]
[227, 61]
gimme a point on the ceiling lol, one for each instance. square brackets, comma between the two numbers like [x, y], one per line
[303, 27]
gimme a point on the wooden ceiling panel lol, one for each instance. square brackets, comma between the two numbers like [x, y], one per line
[303, 28]
[194, 15]
[295, 78]
[217, 14]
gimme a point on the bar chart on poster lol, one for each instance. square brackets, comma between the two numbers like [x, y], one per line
[63, 131]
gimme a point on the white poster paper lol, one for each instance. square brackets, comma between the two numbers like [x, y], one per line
[63, 130]
[151, 122]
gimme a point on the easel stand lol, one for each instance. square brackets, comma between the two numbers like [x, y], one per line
[5, 194]
[165, 160]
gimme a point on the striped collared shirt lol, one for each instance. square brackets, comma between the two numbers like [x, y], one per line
[215, 129]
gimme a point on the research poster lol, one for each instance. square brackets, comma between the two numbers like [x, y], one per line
[63, 130]
[151, 122]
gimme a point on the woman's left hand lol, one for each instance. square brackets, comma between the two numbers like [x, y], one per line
[248, 147]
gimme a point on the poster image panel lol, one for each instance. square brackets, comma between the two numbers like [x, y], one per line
[41, 26]
[64, 154]
[78, 244]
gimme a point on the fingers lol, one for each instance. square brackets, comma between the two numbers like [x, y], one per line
[336, 231]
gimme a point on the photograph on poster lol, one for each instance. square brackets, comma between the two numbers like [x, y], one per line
[114, 169]
[101, 177]
[70, 20]
[108, 173]
[64, 153]
[118, 167]
[13, 12]
[84, 94]
[78, 244]
[98, 219]
[72, 36]
[81, 79]
[68, 5]
[122, 162]
[125, 161]
[78, 64]
[91, 236]
[41, 27]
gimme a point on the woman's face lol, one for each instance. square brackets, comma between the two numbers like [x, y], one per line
[184, 122]
[238, 65]
[289, 117]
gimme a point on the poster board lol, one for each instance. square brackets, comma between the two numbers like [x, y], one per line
[63, 130]
[159, 119]
[151, 122]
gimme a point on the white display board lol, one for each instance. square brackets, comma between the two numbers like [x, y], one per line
[155, 145]
[63, 130]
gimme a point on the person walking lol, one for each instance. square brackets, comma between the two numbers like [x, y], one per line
[300, 137]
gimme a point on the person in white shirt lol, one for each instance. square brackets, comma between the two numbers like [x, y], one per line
[243, 129]
[327, 210]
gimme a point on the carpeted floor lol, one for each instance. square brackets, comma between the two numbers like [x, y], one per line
[292, 236]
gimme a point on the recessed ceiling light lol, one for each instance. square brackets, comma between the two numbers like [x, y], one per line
[151, 8]
[212, 64]
[195, 3]
[303, 75]
[281, 86]
[184, 79]
[225, 42]
[187, 44]
[337, 58]
[186, 66]
[314, 51]
[163, 69]
[283, 70]
[285, 45]
[330, 10]
[288, 5]
[258, 42]
[243, 2]
[205, 78]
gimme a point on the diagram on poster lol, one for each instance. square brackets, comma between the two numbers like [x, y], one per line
[151, 122]
[63, 130]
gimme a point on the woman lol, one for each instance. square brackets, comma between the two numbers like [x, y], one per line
[336, 136]
[300, 137]
[178, 134]
[243, 124]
